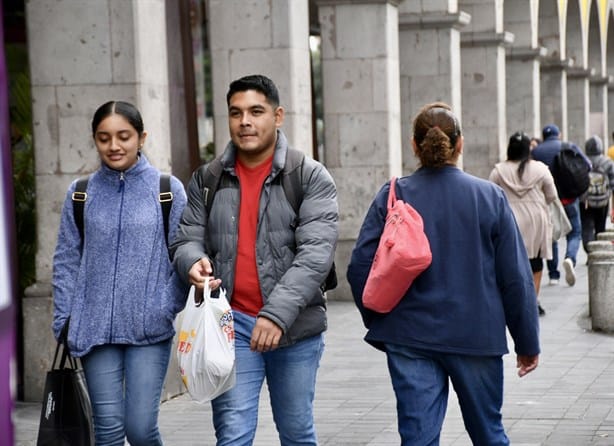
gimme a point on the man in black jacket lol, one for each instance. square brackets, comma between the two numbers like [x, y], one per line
[546, 152]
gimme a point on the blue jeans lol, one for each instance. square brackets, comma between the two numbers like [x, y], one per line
[125, 383]
[574, 238]
[420, 382]
[291, 377]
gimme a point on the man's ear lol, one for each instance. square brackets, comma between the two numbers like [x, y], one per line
[279, 116]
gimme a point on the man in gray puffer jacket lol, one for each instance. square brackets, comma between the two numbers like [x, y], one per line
[271, 263]
[595, 203]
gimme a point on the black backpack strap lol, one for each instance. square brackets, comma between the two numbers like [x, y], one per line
[211, 174]
[79, 196]
[291, 179]
[166, 201]
[292, 183]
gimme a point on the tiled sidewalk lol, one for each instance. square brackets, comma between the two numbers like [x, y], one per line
[567, 401]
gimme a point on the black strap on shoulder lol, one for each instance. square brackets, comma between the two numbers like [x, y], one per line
[291, 179]
[79, 196]
[291, 182]
[166, 201]
[212, 174]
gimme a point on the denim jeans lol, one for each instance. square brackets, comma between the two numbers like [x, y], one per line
[574, 238]
[125, 384]
[290, 374]
[420, 382]
[593, 222]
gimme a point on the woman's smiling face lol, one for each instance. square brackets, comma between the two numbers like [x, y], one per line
[118, 142]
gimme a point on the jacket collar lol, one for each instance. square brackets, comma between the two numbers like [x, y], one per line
[136, 169]
[229, 156]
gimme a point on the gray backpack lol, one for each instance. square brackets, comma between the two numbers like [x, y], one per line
[599, 191]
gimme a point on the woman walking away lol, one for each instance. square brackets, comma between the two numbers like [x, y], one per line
[114, 285]
[451, 323]
[529, 187]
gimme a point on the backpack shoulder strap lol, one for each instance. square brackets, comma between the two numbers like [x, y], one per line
[292, 183]
[79, 196]
[291, 179]
[211, 175]
[165, 197]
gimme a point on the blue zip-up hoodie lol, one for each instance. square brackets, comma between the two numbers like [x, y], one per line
[479, 281]
[121, 289]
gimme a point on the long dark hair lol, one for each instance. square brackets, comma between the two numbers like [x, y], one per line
[519, 149]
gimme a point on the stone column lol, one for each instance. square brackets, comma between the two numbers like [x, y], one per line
[270, 38]
[523, 90]
[429, 57]
[554, 93]
[578, 104]
[362, 132]
[94, 52]
[522, 67]
[484, 123]
[598, 119]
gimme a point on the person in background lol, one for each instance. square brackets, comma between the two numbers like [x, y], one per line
[546, 153]
[611, 149]
[271, 262]
[595, 204]
[451, 324]
[529, 187]
[535, 141]
[116, 288]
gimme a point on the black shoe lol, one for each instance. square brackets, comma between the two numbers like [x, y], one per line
[542, 312]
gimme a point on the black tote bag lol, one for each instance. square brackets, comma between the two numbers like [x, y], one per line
[66, 416]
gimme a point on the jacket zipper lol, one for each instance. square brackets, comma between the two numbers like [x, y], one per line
[119, 230]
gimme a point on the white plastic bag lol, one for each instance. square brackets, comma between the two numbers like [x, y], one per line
[206, 347]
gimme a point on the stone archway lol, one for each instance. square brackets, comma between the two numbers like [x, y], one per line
[578, 75]
[553, 78]
[598, 102]
[523, 67]
[609, 64]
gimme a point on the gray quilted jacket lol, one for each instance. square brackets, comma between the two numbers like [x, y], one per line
[293, 254]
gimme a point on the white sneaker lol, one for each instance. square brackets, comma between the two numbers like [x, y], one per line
[570, 274]
[553, 282]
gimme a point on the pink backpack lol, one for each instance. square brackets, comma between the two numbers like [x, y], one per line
[402, 254]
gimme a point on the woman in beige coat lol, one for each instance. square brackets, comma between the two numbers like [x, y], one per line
[529, 187]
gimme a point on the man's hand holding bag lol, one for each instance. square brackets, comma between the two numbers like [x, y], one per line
[402, 254]
[205, 351]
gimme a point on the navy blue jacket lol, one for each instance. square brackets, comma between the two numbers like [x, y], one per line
[479, 282]
[550, 148]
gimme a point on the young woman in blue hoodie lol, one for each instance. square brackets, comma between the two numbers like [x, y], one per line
[115, 287]
[451, 323]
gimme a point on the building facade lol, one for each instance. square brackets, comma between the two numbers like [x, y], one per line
[502, 65]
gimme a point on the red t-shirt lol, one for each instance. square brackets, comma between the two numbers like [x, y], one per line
[246, 296]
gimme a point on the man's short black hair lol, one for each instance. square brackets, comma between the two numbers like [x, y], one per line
[256, 82]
